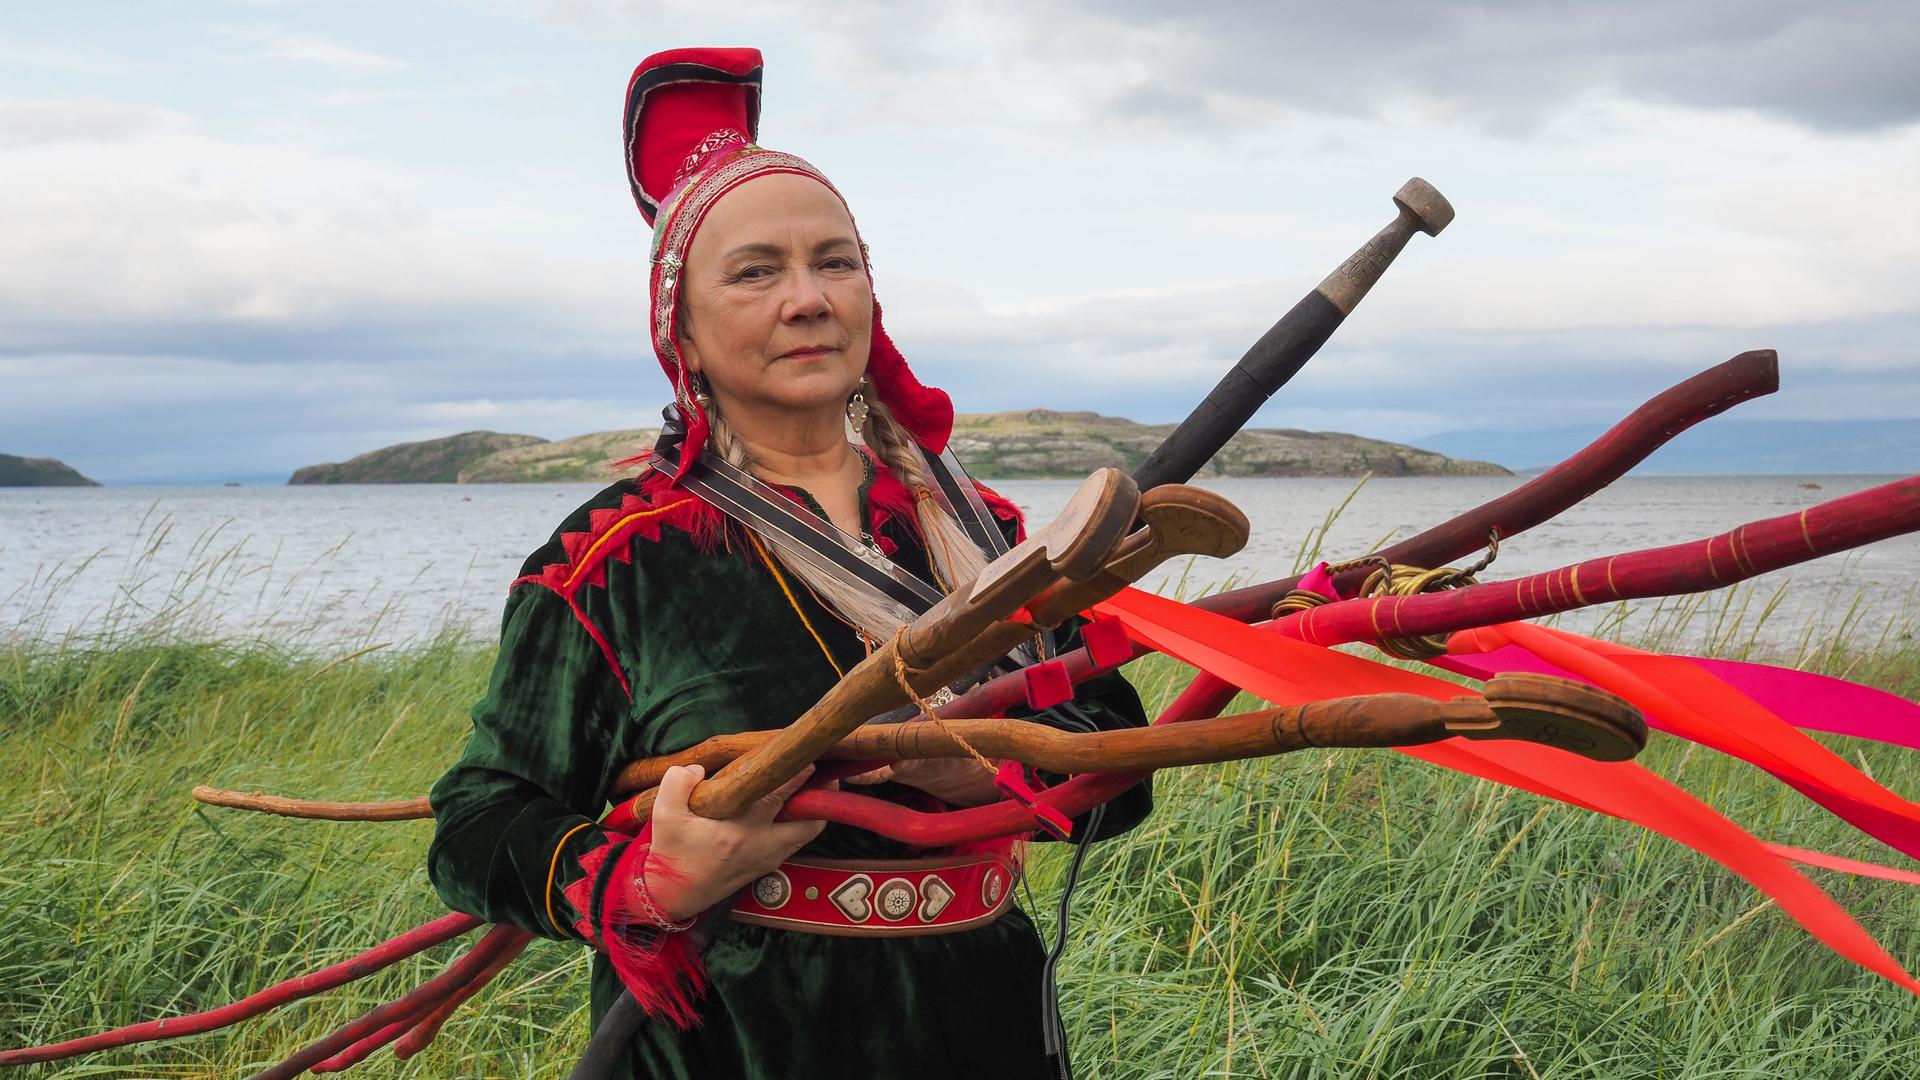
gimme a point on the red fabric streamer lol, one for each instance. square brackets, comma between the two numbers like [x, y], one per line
[1255, 661]
[1048, 684]
[1683, 698]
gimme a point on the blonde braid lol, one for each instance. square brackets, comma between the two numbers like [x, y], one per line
[952, 553]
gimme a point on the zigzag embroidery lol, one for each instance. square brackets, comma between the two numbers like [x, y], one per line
[609, 535]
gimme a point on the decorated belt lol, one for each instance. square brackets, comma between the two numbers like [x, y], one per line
[886, 898]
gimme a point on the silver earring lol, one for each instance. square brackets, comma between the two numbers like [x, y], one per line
[700, 395]
[857, 409]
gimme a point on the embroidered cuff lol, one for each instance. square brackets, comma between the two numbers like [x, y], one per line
[656, 961]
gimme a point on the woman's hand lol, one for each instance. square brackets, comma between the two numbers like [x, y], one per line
[960, 781]
[710, 860]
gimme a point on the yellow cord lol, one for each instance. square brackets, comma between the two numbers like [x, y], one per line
[1396, 580]
[804, 621]
[553, 870]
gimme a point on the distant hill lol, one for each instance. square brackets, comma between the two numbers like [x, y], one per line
[434, 461]
[1043, 443]
[1724, 446]
[583, 457]
[39, 472]
[1036, 443]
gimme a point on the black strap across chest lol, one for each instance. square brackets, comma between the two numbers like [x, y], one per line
[752, 502]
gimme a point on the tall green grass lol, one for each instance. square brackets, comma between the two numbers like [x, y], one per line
[1322, 914]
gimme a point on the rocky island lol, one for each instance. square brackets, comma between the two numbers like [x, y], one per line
[1029, 444]
[432, 461]
[39, 472]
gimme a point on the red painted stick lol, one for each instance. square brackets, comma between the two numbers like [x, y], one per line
[1601, 462]
[429, 1014]
[435, 989]
[1874, 514]
[360, 1051]
[427, 1030]
[413, 941]
[1695, 566]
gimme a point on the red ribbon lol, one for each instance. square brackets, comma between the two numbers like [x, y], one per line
[1287, 671]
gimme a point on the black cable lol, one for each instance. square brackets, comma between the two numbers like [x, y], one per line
[1052, 1028]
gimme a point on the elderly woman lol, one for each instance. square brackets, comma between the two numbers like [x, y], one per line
[652, 621]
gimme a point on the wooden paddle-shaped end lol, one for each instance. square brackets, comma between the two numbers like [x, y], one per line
[1560, 713]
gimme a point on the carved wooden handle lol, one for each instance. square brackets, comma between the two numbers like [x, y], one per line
[946, 638]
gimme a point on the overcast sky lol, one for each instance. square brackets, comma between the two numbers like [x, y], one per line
[242, 237]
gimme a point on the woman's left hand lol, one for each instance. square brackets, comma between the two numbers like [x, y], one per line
[960, 781]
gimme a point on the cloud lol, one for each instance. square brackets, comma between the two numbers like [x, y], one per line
[1839, 65]
[1509, 66]
[135, 231]
[44, 123]
[278, 44]
[1070, 207]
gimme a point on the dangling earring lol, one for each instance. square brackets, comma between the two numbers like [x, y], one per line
[700, 395]
[857, 409]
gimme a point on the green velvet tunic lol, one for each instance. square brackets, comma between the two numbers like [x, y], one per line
[708, 644]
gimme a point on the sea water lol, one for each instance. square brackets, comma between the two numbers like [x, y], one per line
[337, 566]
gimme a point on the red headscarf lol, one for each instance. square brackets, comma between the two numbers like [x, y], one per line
[691, 118]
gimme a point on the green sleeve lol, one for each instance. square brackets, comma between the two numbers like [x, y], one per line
[514, 815]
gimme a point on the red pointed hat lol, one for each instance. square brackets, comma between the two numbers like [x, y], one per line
[691, 120]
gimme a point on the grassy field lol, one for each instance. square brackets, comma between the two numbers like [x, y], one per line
[1325, 914]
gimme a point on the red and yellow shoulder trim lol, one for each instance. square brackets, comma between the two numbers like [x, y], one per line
[609, 535]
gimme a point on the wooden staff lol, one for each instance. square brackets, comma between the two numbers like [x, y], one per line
[937, 647]
[396, 810]
[1601, 462]
[1285, 348]
[1178, 520]
[1532, 708]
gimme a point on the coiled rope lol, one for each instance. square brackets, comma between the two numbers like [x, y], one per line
[1395, 579]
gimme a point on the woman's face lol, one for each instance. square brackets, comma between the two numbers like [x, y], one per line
[776, 310]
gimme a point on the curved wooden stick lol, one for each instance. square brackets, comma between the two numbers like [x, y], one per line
[1368, 720]
[1530, 708]
[382, 956]
[396, 810]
